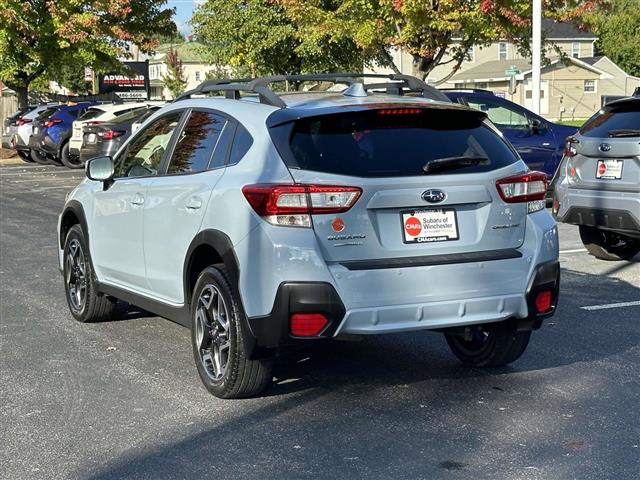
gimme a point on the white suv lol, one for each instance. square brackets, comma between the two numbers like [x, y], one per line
[269, 221]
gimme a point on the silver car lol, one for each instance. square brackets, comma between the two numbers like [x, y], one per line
[269, 221]
[598, 183]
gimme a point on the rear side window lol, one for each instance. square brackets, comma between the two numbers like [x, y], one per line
[196, 143]
[91, 113]
[242, 142]
[622, 120]
[383, 143]
[46, 113]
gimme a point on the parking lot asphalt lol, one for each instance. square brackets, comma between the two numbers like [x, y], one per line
[122, 399]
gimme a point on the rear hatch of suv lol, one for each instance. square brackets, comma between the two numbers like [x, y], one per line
[423, 184]
[605, 155]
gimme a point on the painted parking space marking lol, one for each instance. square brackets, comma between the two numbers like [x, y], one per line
[611, 305]
[574, 250]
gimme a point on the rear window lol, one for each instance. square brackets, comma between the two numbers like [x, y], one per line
[130, 115]
[612, 120]
[382, 143]
[47, 113]
[91, 113]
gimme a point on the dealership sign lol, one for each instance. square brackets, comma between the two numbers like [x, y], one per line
[132, 85]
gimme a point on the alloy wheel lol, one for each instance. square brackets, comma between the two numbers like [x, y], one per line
[212, 332]
[76, 275]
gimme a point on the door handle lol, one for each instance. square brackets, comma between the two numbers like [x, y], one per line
[137, 199]
[194, 203]
[546, 144]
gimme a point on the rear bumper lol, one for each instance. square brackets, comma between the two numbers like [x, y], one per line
[6, 141]
[44, 144]
[609, 210]
[395, 298]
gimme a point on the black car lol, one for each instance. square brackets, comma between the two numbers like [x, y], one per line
[104, 139]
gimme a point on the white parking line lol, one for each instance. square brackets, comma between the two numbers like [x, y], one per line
[611, 305]
[575, 250]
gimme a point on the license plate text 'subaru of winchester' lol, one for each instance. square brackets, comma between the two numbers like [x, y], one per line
[433, 225]
[609, 169]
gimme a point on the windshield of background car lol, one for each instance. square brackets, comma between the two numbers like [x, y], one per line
[91, 113]
[623, 116]
[384, 143]
[130, 116]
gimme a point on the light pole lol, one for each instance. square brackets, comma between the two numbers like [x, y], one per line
[536, 49]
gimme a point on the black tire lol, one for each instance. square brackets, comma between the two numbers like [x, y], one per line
[40, 157]
[607, 245]
[67, 160]
[490, 345]
[24, 156]
[239, 377]
[90, 306]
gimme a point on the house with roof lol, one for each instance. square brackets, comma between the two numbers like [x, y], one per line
[574, 85]
[194, 65]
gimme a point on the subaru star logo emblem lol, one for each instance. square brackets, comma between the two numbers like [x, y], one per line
[434, 196]
[604, 147]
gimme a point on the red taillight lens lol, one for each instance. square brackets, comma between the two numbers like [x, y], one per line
[23, 121]
[52, 121]
[292, 205]
[399, 111]
[543, 301]
[569, 147]
[527, 187]
[307, 324]
[110, 134]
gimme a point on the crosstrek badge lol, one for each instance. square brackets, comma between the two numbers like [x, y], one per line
[413, 226]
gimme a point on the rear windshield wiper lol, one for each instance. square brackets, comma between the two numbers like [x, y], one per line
[454, 162]
[624, 132]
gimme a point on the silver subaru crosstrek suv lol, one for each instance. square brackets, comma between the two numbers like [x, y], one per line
[597, 186]
[269, 221]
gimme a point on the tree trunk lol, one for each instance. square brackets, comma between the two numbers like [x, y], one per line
[23, 95]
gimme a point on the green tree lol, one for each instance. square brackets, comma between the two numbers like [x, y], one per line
[174, 80]
[424, 29]
[617, 25]
[256, 37]
[38, 38]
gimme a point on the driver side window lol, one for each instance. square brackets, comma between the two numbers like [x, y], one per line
[143, 155]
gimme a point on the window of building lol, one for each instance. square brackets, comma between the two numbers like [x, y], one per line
[471, 53]
[575, 49]
[502, 51]
[197, 76]
[589, 85]
[483, 85]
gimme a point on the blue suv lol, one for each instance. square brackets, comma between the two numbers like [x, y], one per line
[539, 142]
[49, 141]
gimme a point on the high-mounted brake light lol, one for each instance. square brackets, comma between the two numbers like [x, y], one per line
[399, 111]
[23, 121]
[110, 134]
[52, 121]
[293, 205]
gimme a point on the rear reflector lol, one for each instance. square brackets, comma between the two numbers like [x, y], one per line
[293, 205]
[543, 301]
[308, 324]
[523, 188]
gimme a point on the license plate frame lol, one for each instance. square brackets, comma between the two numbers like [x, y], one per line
[612, 169]
[446, 233]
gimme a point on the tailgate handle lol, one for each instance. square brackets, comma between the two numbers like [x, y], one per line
[194, 203]
[138, 199]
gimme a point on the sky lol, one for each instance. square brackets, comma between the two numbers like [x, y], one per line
[184, 9]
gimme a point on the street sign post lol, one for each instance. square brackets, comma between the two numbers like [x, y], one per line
[511, 72]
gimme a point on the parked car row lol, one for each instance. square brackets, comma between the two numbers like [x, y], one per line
[57, 133]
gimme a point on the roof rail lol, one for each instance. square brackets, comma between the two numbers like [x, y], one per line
[233, 87]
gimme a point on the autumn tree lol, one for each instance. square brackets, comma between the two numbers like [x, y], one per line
[39, 37]
[433, 32]
[617, 25]
[174, 79]
[257, 37]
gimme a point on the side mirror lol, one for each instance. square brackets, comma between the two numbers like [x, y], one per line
[100, 169]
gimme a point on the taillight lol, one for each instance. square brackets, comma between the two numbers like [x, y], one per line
[110, 134]
[528, 187]
[52, 121]
[293, 205]
[23, 121]
[543, 301]
[569, 147]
